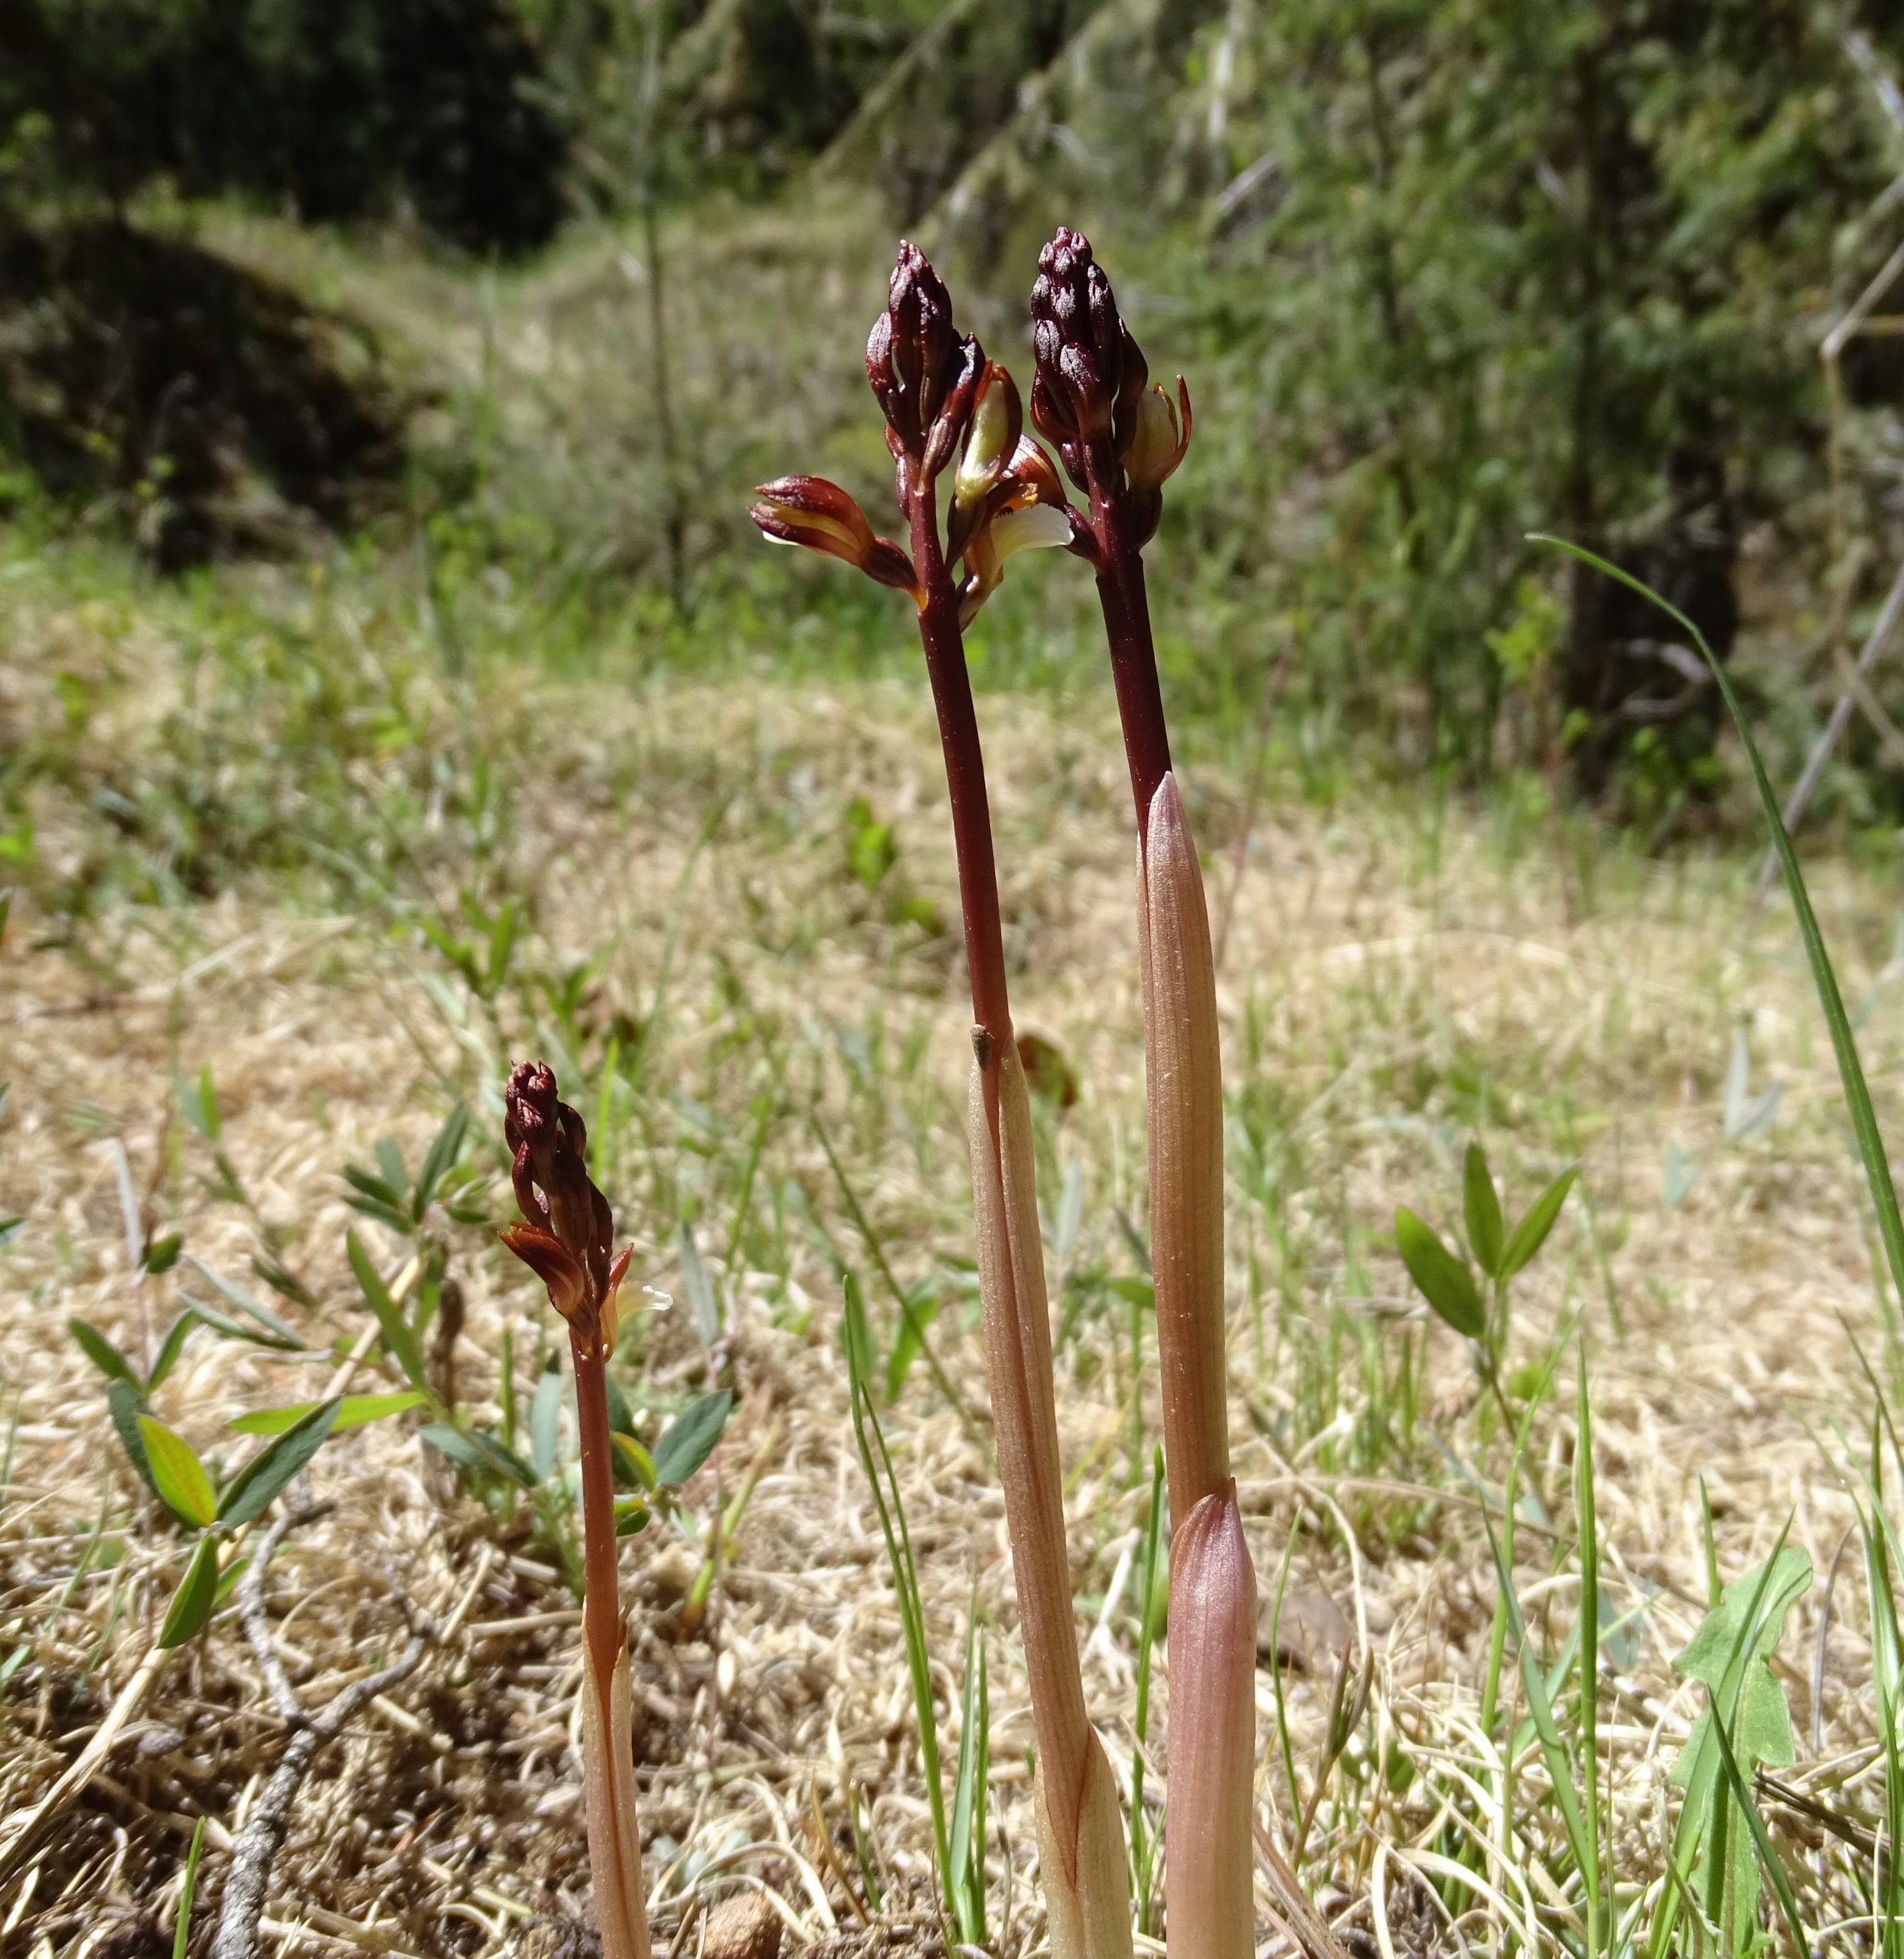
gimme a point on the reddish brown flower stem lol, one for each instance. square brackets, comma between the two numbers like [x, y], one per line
[1134, 652]
[944, 644]
[601, 1628]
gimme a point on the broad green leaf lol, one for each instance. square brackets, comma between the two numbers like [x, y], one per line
[1482, 1208]
[1531, 1233]
[125, 1404]
[1727, 1654]
[399, 1342]
[473, 1449]
[352, 1412]
[177, 1475]
[1446, 1284]
[632, 1460]
[690, 1439]
[197, 1593]
[102, 1353]
[253, 1489]
[380, 1213]
[198, 1103]
[921, 1309]
[234, 1329]
[250, 1308]
[545, 1421]
[390, 1160]
[369, 1185]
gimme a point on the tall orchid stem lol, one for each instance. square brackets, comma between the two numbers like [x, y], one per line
[1133, 654]
[614, 1843]
[1081, 1829]
[944, 643]
[601, 1627]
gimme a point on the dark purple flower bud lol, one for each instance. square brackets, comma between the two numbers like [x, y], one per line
[568, 1237]
[923, 375]
[1090, 375]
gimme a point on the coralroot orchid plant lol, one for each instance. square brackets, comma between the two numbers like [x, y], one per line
[1119, 439]
[567, 1239]
[948, 408]
[950, 411]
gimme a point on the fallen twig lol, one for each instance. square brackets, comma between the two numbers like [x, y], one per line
[269, 1822]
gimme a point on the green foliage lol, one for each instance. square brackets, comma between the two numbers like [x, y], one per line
[1443, 1277]
[1728, 1655]
[338, 110]
[961, 1878]
[1505, 259]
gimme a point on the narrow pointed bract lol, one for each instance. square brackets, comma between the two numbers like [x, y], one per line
[1082, 1859]
[1212, 1741]
[1183, 1075]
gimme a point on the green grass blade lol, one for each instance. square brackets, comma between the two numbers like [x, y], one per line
[907, 1311]
[1552, 1749]
[967, 1863]
[1857, 1095]
[877, 1461]
[1761, 1842]
[188, 1887]
[1590, 1641]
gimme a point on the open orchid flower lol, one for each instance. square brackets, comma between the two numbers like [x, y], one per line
[945, 404]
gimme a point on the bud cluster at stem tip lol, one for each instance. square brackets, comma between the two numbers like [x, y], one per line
[1118, 438]
[567, 1237]
[945, 406]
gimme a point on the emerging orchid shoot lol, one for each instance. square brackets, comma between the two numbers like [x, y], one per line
[1119, 439]
[567, 1239]
[951, 414]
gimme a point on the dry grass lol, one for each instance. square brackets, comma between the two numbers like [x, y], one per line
[1392, 980]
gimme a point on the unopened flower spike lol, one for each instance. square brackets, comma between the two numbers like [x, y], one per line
[566, 1238]
[1118, 438]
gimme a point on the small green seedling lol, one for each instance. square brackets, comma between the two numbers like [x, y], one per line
[168, 1465]
[1478, 1309]
[198, 1103]
[1746, 1722]
[483, 958]
[497, 1471]
[387, 1195]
